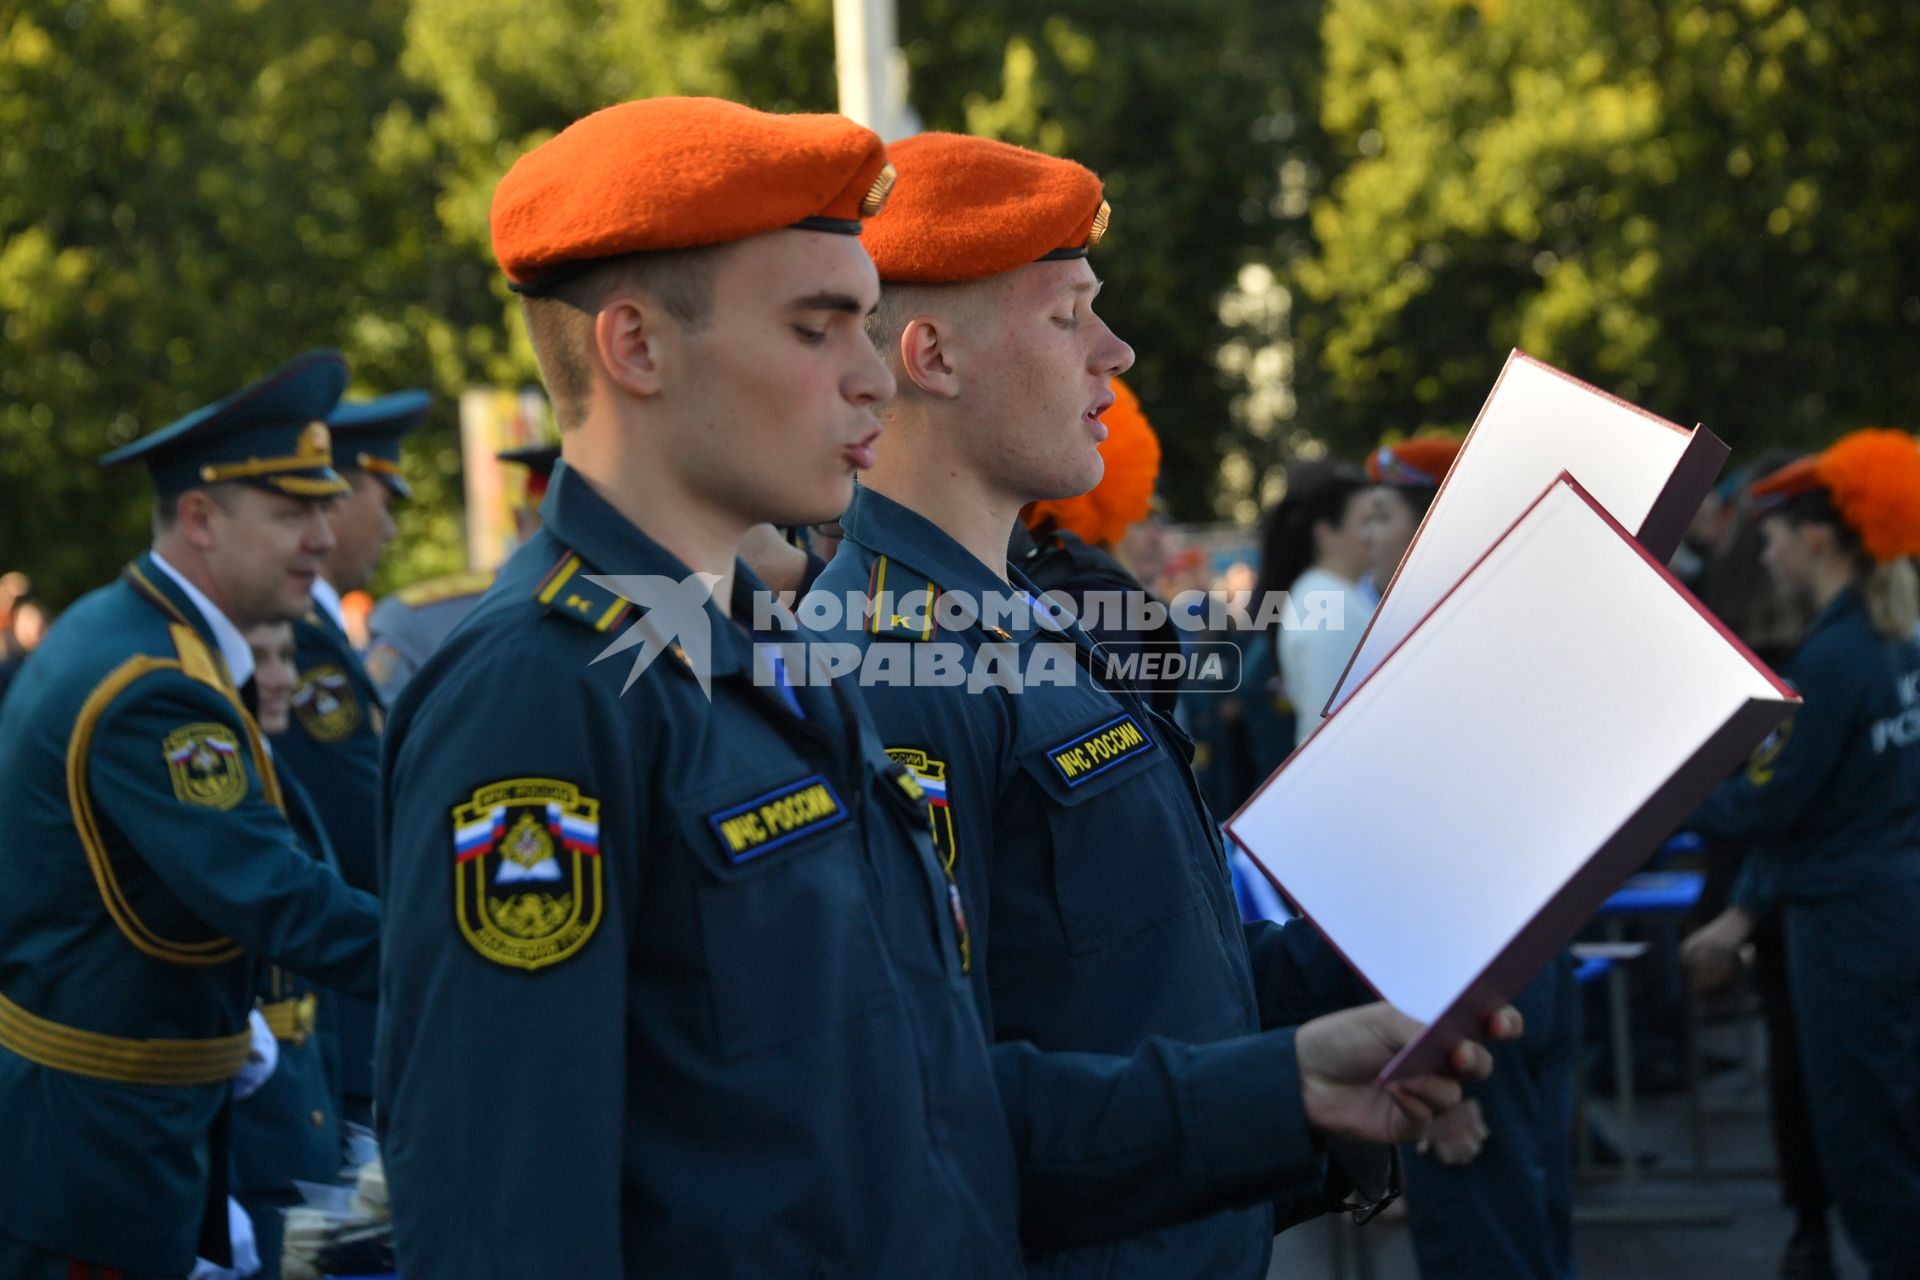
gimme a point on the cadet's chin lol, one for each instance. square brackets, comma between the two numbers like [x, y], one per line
[1069, 481]
[828, 502]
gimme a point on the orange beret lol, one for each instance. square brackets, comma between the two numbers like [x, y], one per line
[1131, 451]
[970, 208]
[1419, 463]
[677, 173]
[1873, 480]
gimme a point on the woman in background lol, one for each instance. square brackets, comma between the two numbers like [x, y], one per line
[1314, 549]
[1406, 477]
[1725, 543]
[1830, 804]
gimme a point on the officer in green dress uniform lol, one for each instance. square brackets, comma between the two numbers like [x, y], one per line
[675, 984]
[332, 745]
[149, 863]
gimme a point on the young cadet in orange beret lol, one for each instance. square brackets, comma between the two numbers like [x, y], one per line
[675, 983]
[1101, 908]
[1831, 807]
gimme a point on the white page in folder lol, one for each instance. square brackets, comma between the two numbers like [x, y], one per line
[1536, 423]
[1564, 683]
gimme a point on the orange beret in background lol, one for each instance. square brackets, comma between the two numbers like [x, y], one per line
[970, 208]
[1873, 479]
[678, 173]
[1131, 451]
[1419, 463]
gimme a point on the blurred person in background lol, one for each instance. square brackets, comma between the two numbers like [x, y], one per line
[332, 743]
[1406, 477]
[22, 622]
[1725, 544]
[289, 1128]
[407, 626]
[1830, 804]
[1314, 548]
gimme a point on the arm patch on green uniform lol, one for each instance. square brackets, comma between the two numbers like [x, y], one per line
[527, 888]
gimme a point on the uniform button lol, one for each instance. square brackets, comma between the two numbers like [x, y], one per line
[319, 1119]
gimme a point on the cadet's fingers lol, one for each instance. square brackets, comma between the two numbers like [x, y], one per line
[1505, 1024]
[1470, 1060]
[1431, 1094]
[1412, 1110]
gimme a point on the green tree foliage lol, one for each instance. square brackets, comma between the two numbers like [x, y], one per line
[186, 198]
[1711, 208]
[1332, 217]
[195, 189]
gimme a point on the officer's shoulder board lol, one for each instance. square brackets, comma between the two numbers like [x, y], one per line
[452, 587]
[900, 602]
[565, 591]
[196, 660]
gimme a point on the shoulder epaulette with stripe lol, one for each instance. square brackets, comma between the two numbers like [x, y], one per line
[451, 587]
[900, 602]
[566, 591]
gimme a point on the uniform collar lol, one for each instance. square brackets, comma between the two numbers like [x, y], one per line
[233, 645]
[887, 528]
[327, 600]
[609, 543]
[882, 526]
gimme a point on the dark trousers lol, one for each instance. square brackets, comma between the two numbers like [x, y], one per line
[1802, 1188]
[1509, 1214]
[269, 1216]
[22, 1261]
[1854, 964]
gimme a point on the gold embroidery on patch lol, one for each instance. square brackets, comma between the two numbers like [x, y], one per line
[527, 876]
[204, 765]
[325, 703]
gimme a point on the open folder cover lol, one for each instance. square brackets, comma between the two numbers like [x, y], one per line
[1650, 474]
[1553, 718]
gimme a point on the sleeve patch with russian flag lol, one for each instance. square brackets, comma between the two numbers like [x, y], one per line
[528, 883]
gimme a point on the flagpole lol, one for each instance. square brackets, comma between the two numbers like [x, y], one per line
[869, 67]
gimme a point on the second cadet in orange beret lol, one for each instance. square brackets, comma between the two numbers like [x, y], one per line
[1103, 918]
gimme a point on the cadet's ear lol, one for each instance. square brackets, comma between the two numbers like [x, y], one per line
[626, 336]
[927, 356]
